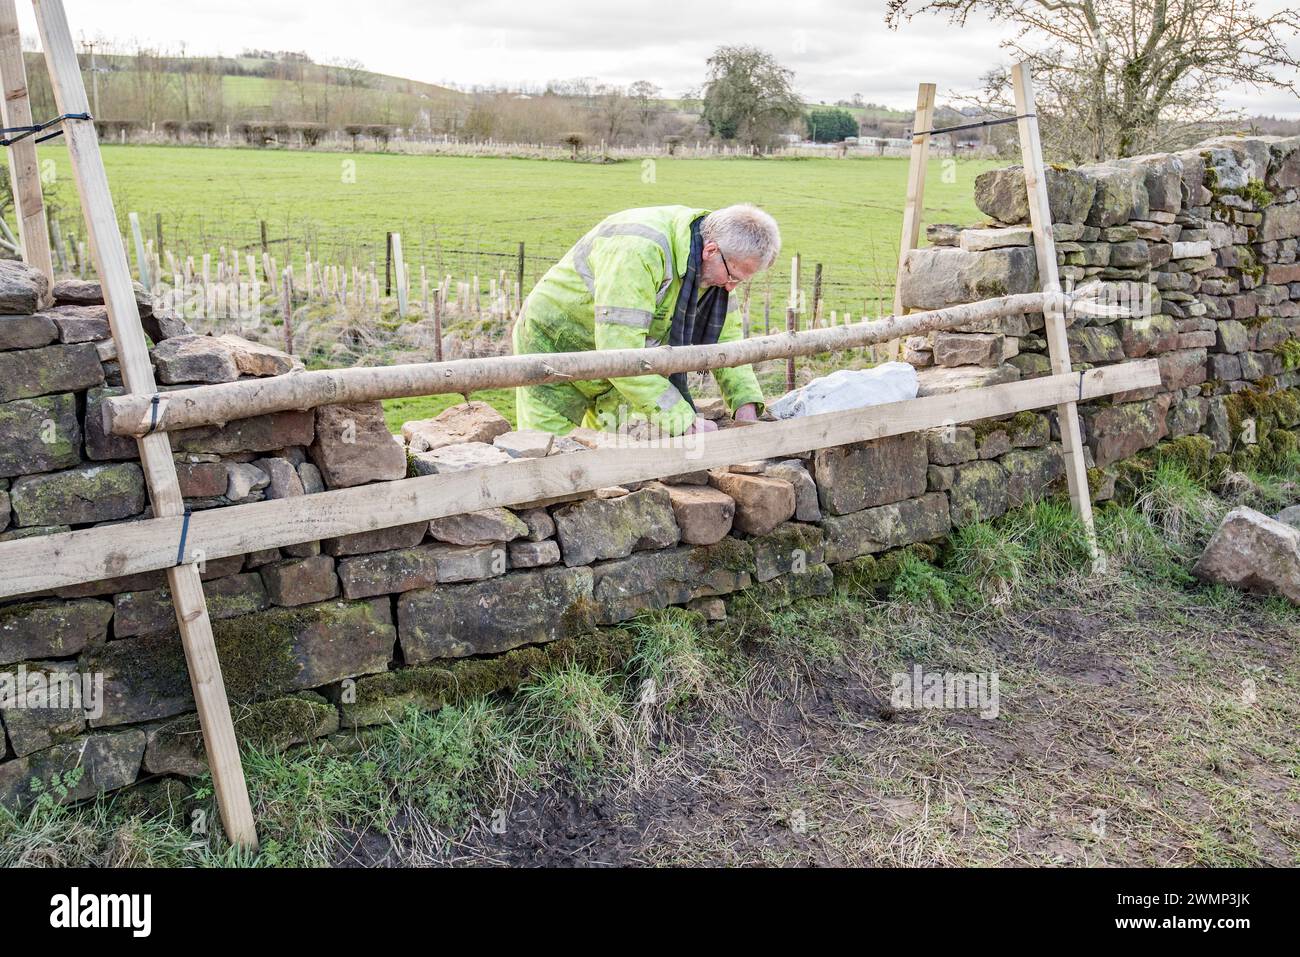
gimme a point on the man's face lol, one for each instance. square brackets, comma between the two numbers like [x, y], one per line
[719, 269]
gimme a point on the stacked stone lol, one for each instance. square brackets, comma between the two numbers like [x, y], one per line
[324, 637]
[1199, 247]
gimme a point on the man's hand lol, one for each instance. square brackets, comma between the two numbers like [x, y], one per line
[747, 413]
[701, 424]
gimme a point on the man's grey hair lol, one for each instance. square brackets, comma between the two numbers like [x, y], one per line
[743, 232]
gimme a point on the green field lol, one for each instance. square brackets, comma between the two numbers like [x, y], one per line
[454, 212]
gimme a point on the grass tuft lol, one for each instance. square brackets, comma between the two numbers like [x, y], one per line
[920, 585]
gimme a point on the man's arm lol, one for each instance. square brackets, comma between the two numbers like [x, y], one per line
[628, 271]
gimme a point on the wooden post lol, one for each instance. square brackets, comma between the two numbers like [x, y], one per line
[914, 205]
[388, 264]
[792, 318]
[1058, 345]
[790, 326]
[817, 296]
[16, 110]
[744, 306]
[141, 263]
[519, 279]
[286, 308]
[399, 269]
[158, 235]
[155, 449]
[266, 255]
[56, 236]
[439, 301]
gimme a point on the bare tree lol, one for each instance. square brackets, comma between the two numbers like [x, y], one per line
[645, 97]
[613, 108]
[1120, 77]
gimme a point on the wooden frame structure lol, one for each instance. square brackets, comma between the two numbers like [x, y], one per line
[133, 356]
[1040, 221]
[42, 563]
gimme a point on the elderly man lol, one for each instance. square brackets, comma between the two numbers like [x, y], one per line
[645, 277]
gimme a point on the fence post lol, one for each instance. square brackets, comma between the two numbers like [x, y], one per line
[817, 296]
[792, 318]
[399, 267]
[16, 110]
[141, 264]
[388, 264]
[286, 308]
[519, 280]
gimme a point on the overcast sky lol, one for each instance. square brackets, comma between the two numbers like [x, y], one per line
[836, 47]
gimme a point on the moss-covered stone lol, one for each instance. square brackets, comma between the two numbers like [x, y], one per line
[873, 574]
[887, 526]
[151, 611]
[452, 621]
[1032, 474]
[730, 554]
[39, 435]
[262, 655]
[91, 493]
[791, 545]
[814, 580]
[176, 747]
[381, 698]
[25, 373]
[652, 580]
[979, 493]
[51, 629]
[104, 762]
[1194, 454]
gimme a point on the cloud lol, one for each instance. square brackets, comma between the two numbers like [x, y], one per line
[836, 47]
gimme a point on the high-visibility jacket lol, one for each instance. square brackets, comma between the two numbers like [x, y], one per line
[617, 289]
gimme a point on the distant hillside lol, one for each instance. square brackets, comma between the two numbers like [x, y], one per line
[149, 90]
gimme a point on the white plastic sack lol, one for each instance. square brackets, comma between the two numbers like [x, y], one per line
[849, 389]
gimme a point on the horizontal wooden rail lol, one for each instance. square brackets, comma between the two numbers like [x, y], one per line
[228, 401]
[68, 558]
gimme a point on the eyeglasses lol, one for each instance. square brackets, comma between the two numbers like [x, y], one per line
[730, 276]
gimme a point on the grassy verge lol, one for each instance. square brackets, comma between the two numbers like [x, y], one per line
[1143, 718]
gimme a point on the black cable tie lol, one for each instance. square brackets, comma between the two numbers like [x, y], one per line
[974, 126]
[26, 131]
[153, 413]
[185, 530]
[1080, 386]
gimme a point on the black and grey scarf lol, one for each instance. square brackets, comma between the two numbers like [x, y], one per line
[697, 320]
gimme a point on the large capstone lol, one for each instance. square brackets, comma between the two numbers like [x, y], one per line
[1002, 194]
[941, 276]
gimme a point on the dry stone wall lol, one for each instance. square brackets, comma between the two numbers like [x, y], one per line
[322, 638]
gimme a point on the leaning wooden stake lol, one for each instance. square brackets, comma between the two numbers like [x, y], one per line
[1058, 345]
[16, 110]
[914, 205]
[155, 449]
